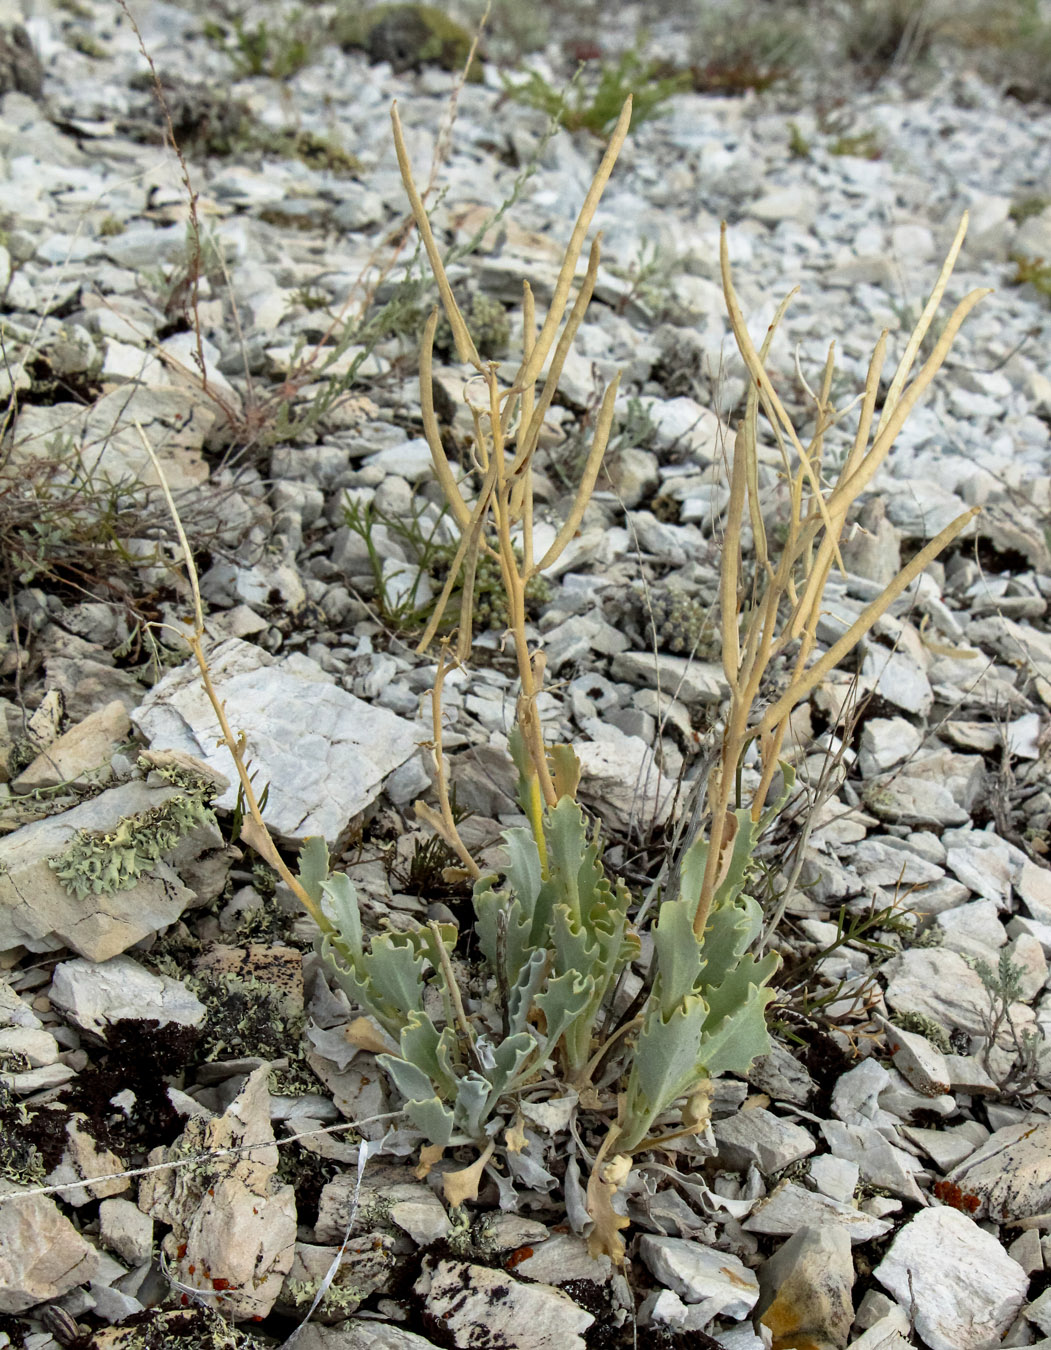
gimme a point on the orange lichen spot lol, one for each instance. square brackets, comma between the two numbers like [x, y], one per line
[220, 1284]
[517, 1257]
[191, 1270]
[950, 1194]
[180, 1251]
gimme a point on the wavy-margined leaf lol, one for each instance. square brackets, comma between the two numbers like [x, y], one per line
[740, 1037]
[667, 1062]
[431, 1051]
[471, 1108]
[394, 970]
[530, 978]
[422, 1105]
[343, 905]
[504, 1062]
[567, 849]
[313, 866]
[732, 926]
[562, 1002]
[678, 953]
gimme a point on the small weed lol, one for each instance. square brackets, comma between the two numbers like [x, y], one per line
[594, 104]
[311, 298]
[489, 323]
[923, 1025]
[1027, 207]
[1033, 272]
[733, 56]
[863, 145]
[798, 145]
[88, 46]
[110, 226]
[881, 36]
[278, 52]
[651, 277]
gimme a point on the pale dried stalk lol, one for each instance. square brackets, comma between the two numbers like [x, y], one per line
[503, 510]
[816, 524]
[257, 835]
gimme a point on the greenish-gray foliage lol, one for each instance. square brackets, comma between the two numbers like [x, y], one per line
[593, 102]
[554, 932]
[98, 862]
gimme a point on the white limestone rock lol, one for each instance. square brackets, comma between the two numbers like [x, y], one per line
[701, 1275]
[232, 1219]
[42, 1255]
[954, 1279]
[478, 1305]
[1010, 1173]
[759, 1137]
[94, 995]
[324, 752]
[39, 912]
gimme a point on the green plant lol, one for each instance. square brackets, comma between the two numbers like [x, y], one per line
[408, 36]
[554, 930]
[1027, 207]
[751, 51]
[1033, 272]
[1004, 987]
[594, 103]
[279, 52]
[798, 145]
[863, 145]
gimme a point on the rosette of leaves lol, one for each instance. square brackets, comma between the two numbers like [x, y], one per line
[555, 937]
[706, 1010]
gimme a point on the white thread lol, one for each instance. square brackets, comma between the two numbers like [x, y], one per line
[8, 1196]
[323, 1287]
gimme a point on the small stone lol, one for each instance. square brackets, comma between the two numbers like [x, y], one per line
[475, 1306]
[1011, 1173]
[1033, 885]
[918, 1060]
[94, 995]
[898, 679]
[1027, 1251]
[760, 1137]
[1039, 1312]
[701, 1275]
[835, 1177]
[39, 1047]
[42, 1256]
[563, 1257]
[913, 801]
[959, 1284]
[972, 930]
[124, 1229]
[886, 741]
[967, 1075]
[88, 745]
[790, 1207]
[83, 1157]
[422, 1216]
[633, 474]
[985, 871]
[806, 1288]
[781, 1076]
[881, 1164]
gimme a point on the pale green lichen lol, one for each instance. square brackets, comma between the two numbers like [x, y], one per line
[338, 1300]
[98, 862]
[926, 1026]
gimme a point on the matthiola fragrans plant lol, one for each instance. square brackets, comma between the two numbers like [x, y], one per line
[544, 1016]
